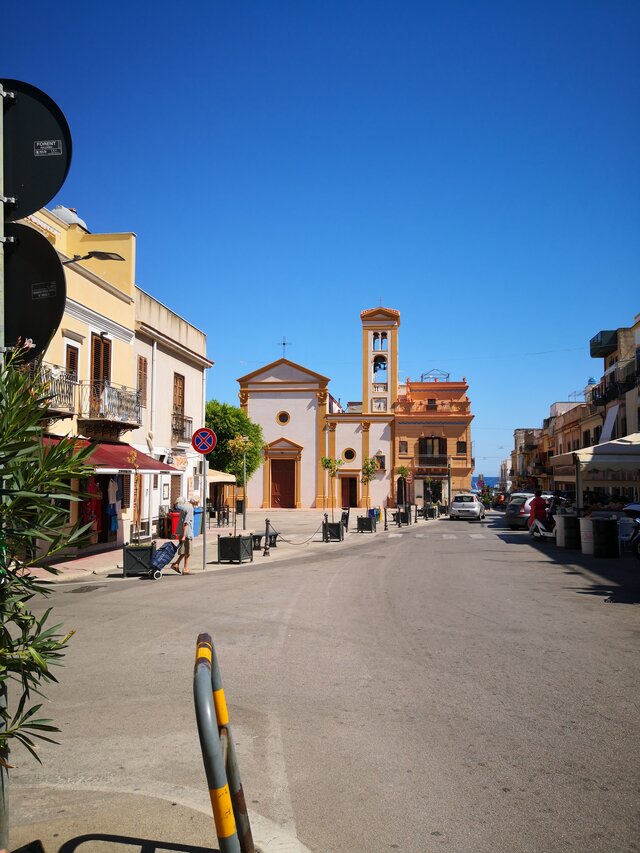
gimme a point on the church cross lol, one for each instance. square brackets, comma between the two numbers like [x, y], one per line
[284, 343]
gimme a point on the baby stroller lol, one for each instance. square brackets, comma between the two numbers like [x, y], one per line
[160, 559]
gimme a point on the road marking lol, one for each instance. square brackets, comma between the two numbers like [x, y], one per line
[477, 535]
[449, 536]
[394, 535]
[420, 535]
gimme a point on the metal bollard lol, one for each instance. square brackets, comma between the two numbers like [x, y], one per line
[231, 763]
[325, 528]
[211, 750]
[385, 519]
[266, 552]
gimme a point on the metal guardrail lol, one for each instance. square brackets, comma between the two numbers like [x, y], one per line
[105, 402]
[181, 427]
[218, 753]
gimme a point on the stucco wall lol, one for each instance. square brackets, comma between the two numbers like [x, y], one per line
[301, 429]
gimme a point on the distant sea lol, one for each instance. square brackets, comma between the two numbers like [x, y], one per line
[488, 481]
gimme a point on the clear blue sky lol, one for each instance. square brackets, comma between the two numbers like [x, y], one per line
[286, 165]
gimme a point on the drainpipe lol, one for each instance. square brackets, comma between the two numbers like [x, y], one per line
[152, 429]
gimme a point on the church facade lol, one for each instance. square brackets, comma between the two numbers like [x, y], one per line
[395, 425]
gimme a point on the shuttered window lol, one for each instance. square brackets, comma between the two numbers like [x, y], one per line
[100, 360]
[142, 380]
[72, 358]
[178, 394]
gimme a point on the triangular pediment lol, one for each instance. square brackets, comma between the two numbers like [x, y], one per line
[284, 372]
[380, 315]
[284, 444]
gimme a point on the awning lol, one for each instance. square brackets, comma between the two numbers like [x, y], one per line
[609, 421]
[621, 454]
[116, 457]
[214, 476]
[120, 458]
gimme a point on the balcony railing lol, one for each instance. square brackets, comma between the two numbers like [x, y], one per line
[61, 388]
[101, 401]
[181, 427]
[431, 460]
[439, 407]
[380, 387]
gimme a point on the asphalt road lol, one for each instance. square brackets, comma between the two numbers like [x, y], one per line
[448, 686]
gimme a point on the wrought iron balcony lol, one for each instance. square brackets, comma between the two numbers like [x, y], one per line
[114, 404]
[604, 343]
[181, 427]
[61, 389]
[431, 460]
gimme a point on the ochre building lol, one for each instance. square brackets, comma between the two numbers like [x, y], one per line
[416, 434]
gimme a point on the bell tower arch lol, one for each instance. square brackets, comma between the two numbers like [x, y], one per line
[379, 359]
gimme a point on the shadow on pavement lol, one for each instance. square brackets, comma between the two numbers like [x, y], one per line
[145, 845]
[619, 576]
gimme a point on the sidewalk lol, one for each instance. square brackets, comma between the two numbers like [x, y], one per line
[300, 533]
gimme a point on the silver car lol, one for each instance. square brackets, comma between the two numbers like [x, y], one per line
[466, 505]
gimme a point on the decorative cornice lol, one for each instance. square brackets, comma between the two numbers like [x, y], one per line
[172, 345]
[98, 321]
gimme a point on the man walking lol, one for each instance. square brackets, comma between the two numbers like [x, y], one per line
[185, 532]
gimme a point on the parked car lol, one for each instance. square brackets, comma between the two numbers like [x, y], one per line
[466, 505]
[518, 510]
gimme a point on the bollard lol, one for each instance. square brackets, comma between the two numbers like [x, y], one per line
[231, 762]
[325, 528]
[385, 519]
[211, 750]
[266, 552]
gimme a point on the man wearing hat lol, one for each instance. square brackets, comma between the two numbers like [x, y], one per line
[185, 532]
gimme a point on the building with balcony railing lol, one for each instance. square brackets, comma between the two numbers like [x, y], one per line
[96, 390]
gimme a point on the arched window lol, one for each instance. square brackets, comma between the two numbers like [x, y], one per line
[379, 369]
[376, 341]
[383, 340]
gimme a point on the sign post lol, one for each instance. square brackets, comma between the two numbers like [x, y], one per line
[204, 441]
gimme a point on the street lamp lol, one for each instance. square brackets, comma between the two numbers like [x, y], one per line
[247, 441]
[96, 255]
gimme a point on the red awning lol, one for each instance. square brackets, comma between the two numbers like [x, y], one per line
[119, 458]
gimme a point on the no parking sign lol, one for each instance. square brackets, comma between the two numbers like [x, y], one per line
[204, 440]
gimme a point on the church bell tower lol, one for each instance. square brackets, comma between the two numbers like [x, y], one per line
[379, 359]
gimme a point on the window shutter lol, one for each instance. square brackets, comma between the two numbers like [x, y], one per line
[142, 379]
[72, 361]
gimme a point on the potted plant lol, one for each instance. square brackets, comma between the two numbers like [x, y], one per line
[332, 530]
[404, 515]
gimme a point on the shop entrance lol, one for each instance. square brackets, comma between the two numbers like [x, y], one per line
[349, 491]
[283, 483]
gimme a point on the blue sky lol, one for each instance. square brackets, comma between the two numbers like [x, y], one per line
[286, 165]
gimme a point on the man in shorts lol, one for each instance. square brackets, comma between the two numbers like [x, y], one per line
[185, 532]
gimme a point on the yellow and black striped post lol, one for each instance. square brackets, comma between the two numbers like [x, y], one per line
[232, 768]
[211, 750]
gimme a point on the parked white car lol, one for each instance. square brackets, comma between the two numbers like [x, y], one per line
[466, 505]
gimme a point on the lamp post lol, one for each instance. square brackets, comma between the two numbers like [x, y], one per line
[98, 256]
[246, 440]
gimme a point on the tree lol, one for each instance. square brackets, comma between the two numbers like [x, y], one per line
[35, 500]
[332, 466]
[403, 473]
[228, 422]
[368, 470]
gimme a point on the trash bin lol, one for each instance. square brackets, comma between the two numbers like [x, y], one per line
[371, 513]
[605, 537]
[571, 530]
[173, 524]
[197, 520]
[586, 535]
